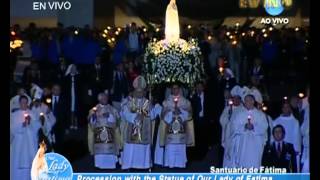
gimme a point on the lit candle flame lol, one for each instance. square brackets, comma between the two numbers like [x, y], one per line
[48, 100]
[220, 69]
[285, 98]
[26, 115]
[76, 32]
[230, 102]
[264, 108]
[105, 31]
[301, 95]
[94, 109]
[13, 33]
[41, 114]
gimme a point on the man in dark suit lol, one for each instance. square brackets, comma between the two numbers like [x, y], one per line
[59, 109]
[120, 88]
[199, 102]
[279, 154]
[97, 74]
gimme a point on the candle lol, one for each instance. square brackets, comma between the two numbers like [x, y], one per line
[285, 98]
[234, 42]
[228, 33]
[264, 108]
[220, 69]
[301, 95]
[249, 119]
[189, 26]
[104, 35]
[270, 28]
[230, 102]
[48, 100]
[105, 31]
[26, 115]
[41, 114]
[94, 109]
[13, 33]
[263, 30]
[76, 32]
[144, 29]
[209, 38]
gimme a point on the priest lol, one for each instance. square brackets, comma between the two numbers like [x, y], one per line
[23, 135]
[176, 128]
[46, 120]
[103, 134]
[137, 129]
[292, 128]
[248, 129]
[229, 113]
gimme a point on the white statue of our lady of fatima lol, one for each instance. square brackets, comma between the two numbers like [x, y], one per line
[172, 29]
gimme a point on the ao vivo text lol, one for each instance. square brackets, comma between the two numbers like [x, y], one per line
[274, 20]
[51, 5]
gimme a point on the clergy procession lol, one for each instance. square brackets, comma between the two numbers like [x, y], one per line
[140, 104]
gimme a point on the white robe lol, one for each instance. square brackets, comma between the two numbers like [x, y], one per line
[305, 141]
[158, 154]
[247, 145]
[226, 132]
[105, 161]
[292, 128]
[225, 122]
[135, 155]
[175, 155]
[49, 122]
[23, 145]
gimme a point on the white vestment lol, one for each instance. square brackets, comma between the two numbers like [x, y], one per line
[292, 128]
[175, 155]
[49, 122]
[247, 145]
[305, 141]
[102, 161]
[135, 155]
[105, 161]
[226, 131]
[23, 145]
[158, 155]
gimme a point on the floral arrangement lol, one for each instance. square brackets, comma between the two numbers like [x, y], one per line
[173, 61]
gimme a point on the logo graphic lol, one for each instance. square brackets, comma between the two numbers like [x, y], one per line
[273, 7]
[51, 166]
[58, 167]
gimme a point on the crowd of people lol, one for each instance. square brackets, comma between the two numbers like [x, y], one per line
[79, 79]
